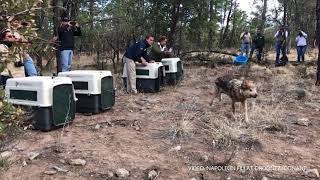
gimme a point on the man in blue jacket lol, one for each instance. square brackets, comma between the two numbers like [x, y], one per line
[136, 53]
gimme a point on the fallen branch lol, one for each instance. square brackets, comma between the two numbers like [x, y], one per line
[210, 51]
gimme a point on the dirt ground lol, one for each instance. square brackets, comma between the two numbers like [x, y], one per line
[180, 136]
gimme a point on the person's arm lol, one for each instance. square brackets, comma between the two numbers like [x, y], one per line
[155, 49]
[304, 34]
[3, 57]
[277, 33]
[145, 56]
[60, 30]
[263, 41]
[60, 33]
[76, 30]
[241, 35]
[297, 39]
[286, 34]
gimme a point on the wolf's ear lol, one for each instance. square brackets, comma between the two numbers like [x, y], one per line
[244, 84]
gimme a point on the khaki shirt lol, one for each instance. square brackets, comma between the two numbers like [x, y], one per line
[7, 67]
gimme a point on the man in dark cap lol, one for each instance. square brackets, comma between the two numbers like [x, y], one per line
[66, 32]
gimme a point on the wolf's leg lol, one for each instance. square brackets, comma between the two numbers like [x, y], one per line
[234, 110]
[211, 102]
[233, 107]
[245, 106]
[219, 95]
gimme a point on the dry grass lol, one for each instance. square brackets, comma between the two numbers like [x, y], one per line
[181, 129]
[4, 164]
[280, 86]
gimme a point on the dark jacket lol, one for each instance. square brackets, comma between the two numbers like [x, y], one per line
[138, 50]
[156, 53]
[66, 37]
[258, 41]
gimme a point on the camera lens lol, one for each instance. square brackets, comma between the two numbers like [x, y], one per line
[24, 23]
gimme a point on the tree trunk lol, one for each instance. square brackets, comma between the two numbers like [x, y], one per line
[74, 10]
[56, 23]
[91, 9]
[263, 16]
[224, 12]
[210, 35]
[231, 37]
[318, 41]
[174, 20]
[284, 51]
[228, 22]
[297, 15]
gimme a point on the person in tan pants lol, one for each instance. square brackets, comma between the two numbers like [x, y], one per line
[136, 53]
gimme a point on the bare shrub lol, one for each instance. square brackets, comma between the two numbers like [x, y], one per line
[268, 119]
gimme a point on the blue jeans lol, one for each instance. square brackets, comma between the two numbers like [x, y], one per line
[301, 50]
[279, 49]
[66, 60]
[29, 68]
[245, 48]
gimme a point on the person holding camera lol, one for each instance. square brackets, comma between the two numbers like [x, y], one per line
[13, 65]
[301, 41]
[66, 32]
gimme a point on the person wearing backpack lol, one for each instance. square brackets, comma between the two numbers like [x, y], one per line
[280, 37]
[301, 41]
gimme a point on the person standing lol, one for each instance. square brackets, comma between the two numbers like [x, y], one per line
[136, 53]
[280, 36]
[66, 32]
[258, 42]
[245, 42]
[301, 41]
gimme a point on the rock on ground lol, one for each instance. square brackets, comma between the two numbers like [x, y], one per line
[122, 173]
[312, 173]
[152, 174]
[77, 162]
[6, 154]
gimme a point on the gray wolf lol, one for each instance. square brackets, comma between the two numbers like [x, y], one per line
[239, 90]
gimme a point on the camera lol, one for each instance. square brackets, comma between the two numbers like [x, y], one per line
[25, 23]
[73, 23]
[18, 64]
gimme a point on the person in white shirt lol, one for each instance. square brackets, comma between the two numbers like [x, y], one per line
[245, 42]
[301, 41]
[280, 36]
